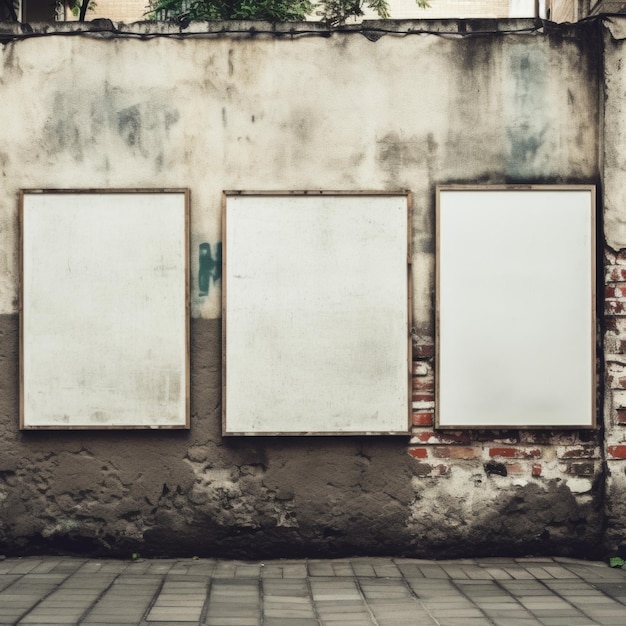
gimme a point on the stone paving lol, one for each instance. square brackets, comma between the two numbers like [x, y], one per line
[42, 591]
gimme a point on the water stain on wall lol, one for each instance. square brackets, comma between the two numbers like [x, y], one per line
[144, 126]
[398, 155]
[80, 118]
[528, 134]
[129, 125]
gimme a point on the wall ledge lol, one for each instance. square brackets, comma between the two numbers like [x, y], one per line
[372, 29]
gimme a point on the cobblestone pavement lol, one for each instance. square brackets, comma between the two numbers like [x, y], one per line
[358, 591]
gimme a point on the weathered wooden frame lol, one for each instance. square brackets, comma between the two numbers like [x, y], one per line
[104, 308]
[515, 306]
[312, 378]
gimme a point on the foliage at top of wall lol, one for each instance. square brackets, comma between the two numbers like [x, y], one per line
[332, 12]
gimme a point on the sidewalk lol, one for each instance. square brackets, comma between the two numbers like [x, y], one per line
[358, 591]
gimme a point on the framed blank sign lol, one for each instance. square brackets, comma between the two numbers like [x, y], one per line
[515, 307]
[316, 313]
[104, 309]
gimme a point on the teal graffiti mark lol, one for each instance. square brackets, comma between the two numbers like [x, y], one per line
[210, 269]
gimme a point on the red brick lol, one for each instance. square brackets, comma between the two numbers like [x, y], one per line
[424, 351]
[440, 469]
[515, 453]
[616, 375]
[455, 452]
[620, 257]
[612, 381]
[536, 471]
[515, 468]
[418, 453]
[615, 307]
[423, 383]
[547, 437]
[615, 380]
[581, 468]
[616, 325]
[620, 415]
[426, 470]
[422, 368]
[617, 452]
[445, 438]
[423, 397]
[579, 452]
[422, 419]
[615, 273]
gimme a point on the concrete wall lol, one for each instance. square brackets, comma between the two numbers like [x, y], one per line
[268, 110]
[613, 158]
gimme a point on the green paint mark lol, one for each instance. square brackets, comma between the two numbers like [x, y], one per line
[210, 269]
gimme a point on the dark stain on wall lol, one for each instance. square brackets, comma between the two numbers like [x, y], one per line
[397, 156]
[4, 163]
[523, 520]
[62, 134]
[129, 125]
[231, 66]
[10, 61]
[528, 69]
[144, 127]
[525, 144]
[195, 493]
[78, 119]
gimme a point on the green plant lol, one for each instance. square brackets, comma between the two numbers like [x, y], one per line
[332, 12]
[80, 7]
[336, 12]
[617, 561]
[270, 10]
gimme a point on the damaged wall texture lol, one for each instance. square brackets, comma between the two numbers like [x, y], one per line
[265, 110]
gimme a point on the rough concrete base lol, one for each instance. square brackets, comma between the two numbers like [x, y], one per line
[177, 493]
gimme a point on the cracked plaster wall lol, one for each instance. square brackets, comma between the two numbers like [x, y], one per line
[260, 112]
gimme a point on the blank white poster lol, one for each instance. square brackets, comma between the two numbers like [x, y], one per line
[515, 307]
[104, 310]
[316, 315]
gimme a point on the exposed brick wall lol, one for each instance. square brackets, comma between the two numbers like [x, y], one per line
[615, 356]
[615, 394]
[615, 352]
[575, 456]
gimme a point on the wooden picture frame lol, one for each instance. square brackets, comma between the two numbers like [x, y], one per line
[104, 309]
[515, 307]
[316, 313]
